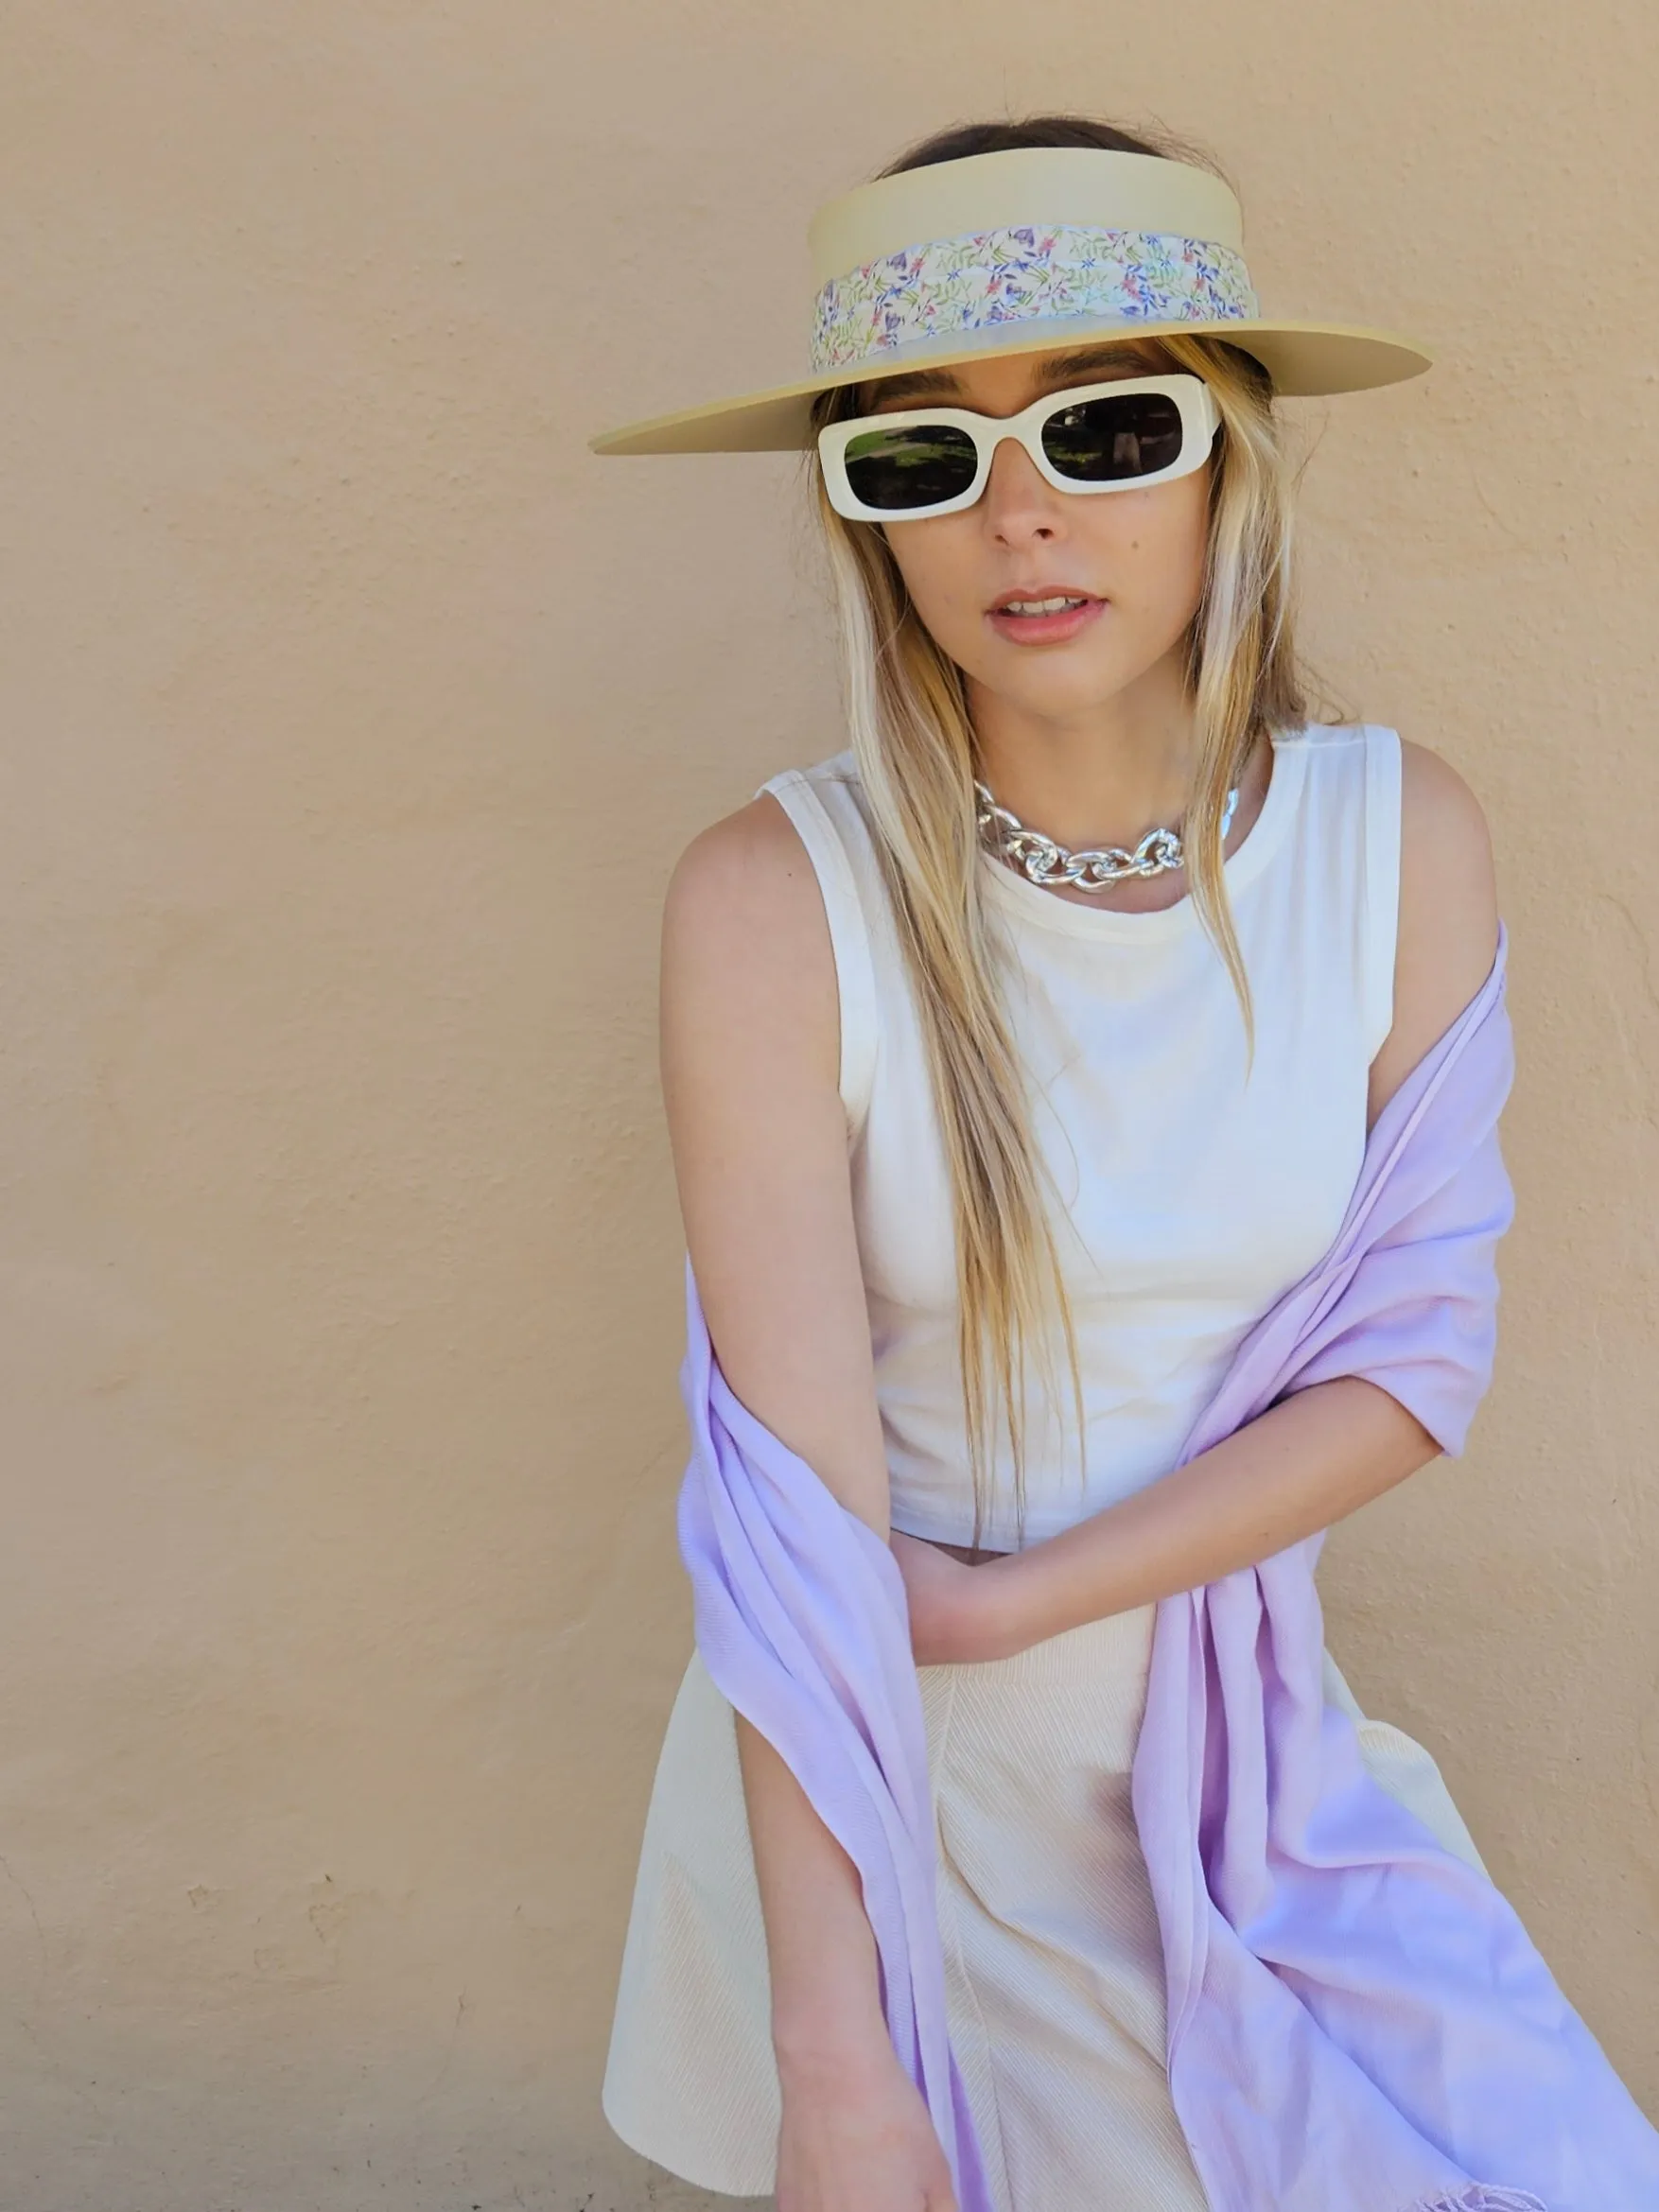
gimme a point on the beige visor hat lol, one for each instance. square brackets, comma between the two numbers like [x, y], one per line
[1019, 252]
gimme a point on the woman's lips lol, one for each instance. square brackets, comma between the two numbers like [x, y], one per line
[1053, 629]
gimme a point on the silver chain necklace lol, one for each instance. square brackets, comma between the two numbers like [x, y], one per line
[1090, 869]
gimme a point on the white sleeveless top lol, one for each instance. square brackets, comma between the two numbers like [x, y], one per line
[1193, 1197]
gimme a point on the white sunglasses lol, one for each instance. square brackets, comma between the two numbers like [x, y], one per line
[1119, 436]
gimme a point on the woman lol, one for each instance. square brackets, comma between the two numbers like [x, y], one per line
[1041, 1029]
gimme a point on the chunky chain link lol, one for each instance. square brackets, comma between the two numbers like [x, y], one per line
[1090, 868]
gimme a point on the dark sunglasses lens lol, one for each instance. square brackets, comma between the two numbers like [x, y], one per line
[1113, 441]
[917, 467]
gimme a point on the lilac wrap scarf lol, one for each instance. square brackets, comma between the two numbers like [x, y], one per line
[1358, 2020]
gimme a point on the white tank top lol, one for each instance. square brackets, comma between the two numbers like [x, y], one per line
[1196, 1197]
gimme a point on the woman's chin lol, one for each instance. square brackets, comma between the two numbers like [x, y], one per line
[1054, 691]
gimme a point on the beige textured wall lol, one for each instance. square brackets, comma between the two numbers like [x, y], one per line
[353, 717]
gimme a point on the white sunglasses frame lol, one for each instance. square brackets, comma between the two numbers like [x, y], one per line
[1200, 420]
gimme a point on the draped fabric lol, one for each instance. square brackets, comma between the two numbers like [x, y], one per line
[1358, 2020]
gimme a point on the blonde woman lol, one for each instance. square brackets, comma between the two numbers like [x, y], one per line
[1016, 1058]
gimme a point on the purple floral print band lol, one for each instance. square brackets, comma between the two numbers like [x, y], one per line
[955, 284]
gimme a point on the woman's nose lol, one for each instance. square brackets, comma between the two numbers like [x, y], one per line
[1019, 503]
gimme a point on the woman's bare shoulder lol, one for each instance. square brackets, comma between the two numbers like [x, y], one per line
[749, 998]
[1448, 912]
[744, 890]
[1448, 886]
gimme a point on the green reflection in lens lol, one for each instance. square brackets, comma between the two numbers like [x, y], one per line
[918, 466]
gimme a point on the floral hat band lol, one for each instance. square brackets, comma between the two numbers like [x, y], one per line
[1011, 275]
[1025, 250]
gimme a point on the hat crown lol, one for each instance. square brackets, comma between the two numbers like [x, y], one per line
[1058, 236]
[1087, 187]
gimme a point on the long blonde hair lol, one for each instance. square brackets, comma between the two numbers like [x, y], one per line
[913, 741]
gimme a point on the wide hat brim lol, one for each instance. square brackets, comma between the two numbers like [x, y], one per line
[1304, 359]
[1142, 205]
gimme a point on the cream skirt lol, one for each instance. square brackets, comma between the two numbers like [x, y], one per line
[1053, 1968]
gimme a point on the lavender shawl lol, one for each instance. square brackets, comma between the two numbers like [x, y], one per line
[1358, 2020]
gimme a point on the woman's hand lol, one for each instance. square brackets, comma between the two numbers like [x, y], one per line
[957, 1612]
[857, 2136]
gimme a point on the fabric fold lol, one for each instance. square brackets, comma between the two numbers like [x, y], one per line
[1358, 2020]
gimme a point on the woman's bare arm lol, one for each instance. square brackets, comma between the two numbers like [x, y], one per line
[750, 1053]
[1318, 1454]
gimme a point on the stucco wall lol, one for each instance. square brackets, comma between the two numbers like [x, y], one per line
[353, 718]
